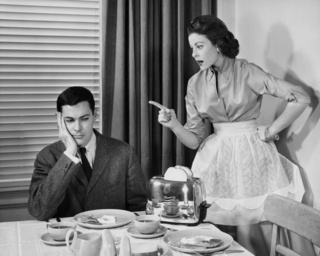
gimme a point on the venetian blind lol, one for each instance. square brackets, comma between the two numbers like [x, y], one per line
[45, 47]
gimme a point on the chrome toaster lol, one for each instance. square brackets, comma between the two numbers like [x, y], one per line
[177, 197]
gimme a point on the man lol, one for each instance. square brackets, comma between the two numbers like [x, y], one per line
[64, 183]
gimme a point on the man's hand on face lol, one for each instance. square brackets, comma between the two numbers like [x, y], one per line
[65, 136]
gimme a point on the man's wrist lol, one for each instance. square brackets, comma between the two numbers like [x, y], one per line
[74, 158]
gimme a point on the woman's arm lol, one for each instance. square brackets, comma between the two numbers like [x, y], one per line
[287, 117]
[296, 97]
[186, 137]
[167, 117]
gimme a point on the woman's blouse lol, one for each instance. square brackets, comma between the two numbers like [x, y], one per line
[237, 97]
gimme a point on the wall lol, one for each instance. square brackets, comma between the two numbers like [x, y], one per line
[283, 38]
[14, 205]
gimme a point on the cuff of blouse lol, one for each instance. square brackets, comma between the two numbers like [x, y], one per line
[269, 137]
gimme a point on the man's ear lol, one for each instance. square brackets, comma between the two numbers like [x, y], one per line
[95, 113]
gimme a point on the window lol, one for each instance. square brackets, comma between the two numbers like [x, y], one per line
[45, 47]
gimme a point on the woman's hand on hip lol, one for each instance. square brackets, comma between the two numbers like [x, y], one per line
[265, 135]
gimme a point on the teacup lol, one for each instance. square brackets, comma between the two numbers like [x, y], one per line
[147, 224]
[171, 207]
[86, 244]
[59, 230]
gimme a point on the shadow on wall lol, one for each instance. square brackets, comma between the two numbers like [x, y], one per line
[280, 65]
[280, 60]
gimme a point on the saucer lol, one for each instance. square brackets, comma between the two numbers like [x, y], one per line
[171, 215]
[159, 232]
[47, 239]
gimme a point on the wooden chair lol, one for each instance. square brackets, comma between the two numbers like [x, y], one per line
[291, 215]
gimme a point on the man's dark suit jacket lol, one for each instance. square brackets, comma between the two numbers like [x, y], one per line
[59, 187]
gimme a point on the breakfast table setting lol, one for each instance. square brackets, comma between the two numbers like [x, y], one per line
[32, 238]
[172, 224]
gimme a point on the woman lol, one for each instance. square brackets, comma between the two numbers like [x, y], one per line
[239, 161]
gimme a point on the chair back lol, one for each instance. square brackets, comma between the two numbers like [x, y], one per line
[299, 218]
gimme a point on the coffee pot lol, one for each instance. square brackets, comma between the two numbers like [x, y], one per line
[91, 244]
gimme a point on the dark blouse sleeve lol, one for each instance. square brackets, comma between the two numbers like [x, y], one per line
[265, 83]
[195, 123]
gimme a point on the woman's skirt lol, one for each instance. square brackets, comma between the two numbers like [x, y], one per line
[240, 170]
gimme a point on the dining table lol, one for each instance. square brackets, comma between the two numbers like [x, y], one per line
[24, 238]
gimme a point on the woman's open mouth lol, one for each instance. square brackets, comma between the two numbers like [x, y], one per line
[200, 62]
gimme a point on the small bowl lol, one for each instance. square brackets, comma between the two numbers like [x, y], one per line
[147, 224]
[59, 230]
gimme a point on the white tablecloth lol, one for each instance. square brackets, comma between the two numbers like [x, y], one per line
[23, 238]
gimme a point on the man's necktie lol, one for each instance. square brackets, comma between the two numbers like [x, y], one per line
[217, 82]
[85, 164]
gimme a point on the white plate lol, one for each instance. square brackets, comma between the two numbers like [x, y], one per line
[122, 218]
[173, 239]
[47, 239]
[135, 233]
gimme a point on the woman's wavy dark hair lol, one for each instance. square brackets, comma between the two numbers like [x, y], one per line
[217, 32]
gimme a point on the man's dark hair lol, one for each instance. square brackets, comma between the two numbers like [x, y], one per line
[74, 95]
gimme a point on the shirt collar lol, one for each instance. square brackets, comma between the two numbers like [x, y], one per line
[226, 67]
[91, 146]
